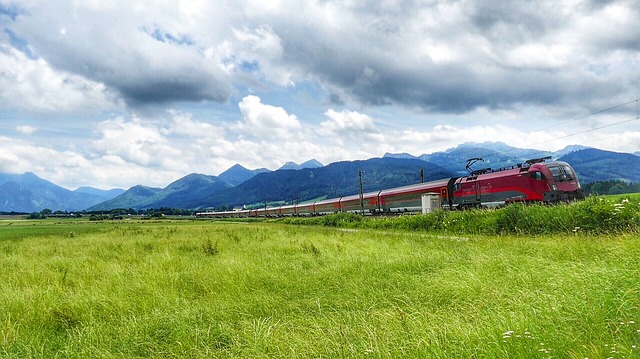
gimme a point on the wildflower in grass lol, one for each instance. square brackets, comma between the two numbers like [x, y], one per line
[617, 208]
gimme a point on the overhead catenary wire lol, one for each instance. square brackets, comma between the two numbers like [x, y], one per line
[589, 130]
[591, 114]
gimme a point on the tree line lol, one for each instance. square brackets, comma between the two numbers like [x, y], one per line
[611, 187]
[116, 213]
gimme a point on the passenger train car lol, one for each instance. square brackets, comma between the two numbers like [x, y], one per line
[535, 181]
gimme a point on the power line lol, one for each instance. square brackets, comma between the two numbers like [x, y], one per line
[587, 131]
[590, 114]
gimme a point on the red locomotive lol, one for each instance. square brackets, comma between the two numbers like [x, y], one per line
[533, 181]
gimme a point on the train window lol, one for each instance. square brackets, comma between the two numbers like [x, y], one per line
[561, 173]
[537, 175]
[567, 172]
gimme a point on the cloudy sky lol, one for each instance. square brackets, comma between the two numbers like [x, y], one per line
[118, 93]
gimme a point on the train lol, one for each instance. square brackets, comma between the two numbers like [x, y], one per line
[534, 181]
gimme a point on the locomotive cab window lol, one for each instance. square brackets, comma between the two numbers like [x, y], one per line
[561, 173]
[537, 175]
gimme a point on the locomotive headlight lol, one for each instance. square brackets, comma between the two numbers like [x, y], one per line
[554, 187]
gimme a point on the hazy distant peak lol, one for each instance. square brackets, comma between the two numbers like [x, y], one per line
[313, 163]
[290, 166]
[571, 148]
[403, 155]
[236, 167]
[237, 174]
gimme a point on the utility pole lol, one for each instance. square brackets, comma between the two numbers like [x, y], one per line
[422, 175]
[361, 194]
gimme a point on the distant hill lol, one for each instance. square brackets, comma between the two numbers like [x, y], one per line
[569, 149]
[290, 166]
[184, 193]
[105, 195]
[312, 163]
[308, 164]
[238, 174]
[30, 193]
[131, 198]
[597, 165]
[404, 155]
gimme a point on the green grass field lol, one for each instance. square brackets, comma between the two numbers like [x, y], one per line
[221, 289]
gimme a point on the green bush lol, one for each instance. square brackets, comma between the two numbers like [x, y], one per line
[595, 215]
[599, 215]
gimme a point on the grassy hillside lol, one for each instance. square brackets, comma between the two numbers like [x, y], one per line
[129, 199]
[216, 289]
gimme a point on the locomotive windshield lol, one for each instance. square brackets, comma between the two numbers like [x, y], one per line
[561, 172]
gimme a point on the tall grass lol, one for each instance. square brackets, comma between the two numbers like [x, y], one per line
[203, 289]
[596, 215]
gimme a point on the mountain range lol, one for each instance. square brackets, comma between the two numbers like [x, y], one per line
[239, 186]
[30, 193]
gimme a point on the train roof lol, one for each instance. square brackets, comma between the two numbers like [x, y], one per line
[432, 186]
[489, 173]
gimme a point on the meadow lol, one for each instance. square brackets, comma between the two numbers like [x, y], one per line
[202, 289]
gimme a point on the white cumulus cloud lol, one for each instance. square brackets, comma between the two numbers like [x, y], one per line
[351, 125]
[136, 142]
[32, 85]
[262, 120]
